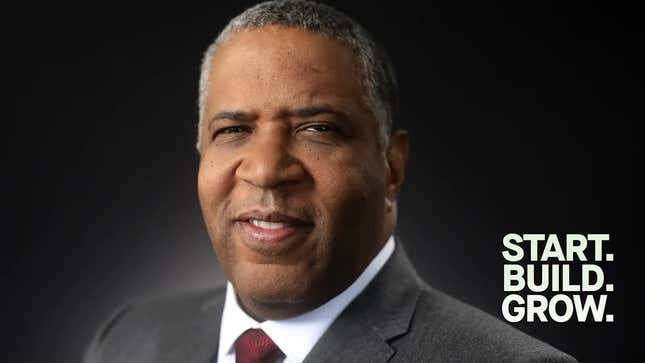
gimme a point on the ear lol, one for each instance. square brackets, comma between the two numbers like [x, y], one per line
[397, 156]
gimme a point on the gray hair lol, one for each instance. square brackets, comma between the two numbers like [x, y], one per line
[377, 74]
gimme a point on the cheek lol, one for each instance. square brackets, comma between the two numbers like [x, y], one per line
[349, 185]
[213, 186]
[214, 179]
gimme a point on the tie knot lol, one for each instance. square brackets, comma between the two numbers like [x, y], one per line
[254, 346]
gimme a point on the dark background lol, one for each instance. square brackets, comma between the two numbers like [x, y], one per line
[521, 120]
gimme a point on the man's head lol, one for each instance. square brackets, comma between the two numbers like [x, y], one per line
[299, 170]
[374, 67]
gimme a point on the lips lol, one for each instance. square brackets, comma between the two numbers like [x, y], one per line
[272, 231]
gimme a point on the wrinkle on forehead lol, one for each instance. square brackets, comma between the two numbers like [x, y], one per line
[275, 62]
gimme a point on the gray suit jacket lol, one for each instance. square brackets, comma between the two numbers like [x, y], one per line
[397, 318]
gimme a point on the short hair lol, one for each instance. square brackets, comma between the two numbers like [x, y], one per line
[376, 71]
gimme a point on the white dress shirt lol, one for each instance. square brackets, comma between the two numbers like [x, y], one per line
[296, 336]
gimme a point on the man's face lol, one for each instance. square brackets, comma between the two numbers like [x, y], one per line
[293, 183]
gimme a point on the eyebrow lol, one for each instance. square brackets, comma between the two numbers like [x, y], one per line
[233, 115]
[300, 112]
[311, 111]
[239, 116]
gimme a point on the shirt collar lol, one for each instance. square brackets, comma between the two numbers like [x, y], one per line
[295, 336]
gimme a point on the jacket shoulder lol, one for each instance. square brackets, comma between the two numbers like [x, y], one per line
[147, 331]
[446, 329]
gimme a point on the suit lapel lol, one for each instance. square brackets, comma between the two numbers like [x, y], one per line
[197, 340]
[379, 314]
[210, 330]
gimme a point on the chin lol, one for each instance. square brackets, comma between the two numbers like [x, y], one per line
[276, 291]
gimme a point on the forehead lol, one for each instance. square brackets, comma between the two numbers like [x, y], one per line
[276, 66]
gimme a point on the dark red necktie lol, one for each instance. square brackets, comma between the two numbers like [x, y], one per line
[254, 346]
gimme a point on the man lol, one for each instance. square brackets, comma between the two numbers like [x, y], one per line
[299, 173]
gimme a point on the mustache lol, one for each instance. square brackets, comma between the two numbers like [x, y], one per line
[273, 206]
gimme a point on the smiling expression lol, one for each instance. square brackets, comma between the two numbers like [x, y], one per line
[293, 183]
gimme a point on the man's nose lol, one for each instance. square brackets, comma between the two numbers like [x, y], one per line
[268, 162]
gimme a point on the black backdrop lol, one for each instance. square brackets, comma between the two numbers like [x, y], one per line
[520, 121]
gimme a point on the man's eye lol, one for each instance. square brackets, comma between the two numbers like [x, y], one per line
[231, 130]
[319, 128]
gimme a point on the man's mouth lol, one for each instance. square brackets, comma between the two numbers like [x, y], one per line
[272, 231]
[268, 225]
